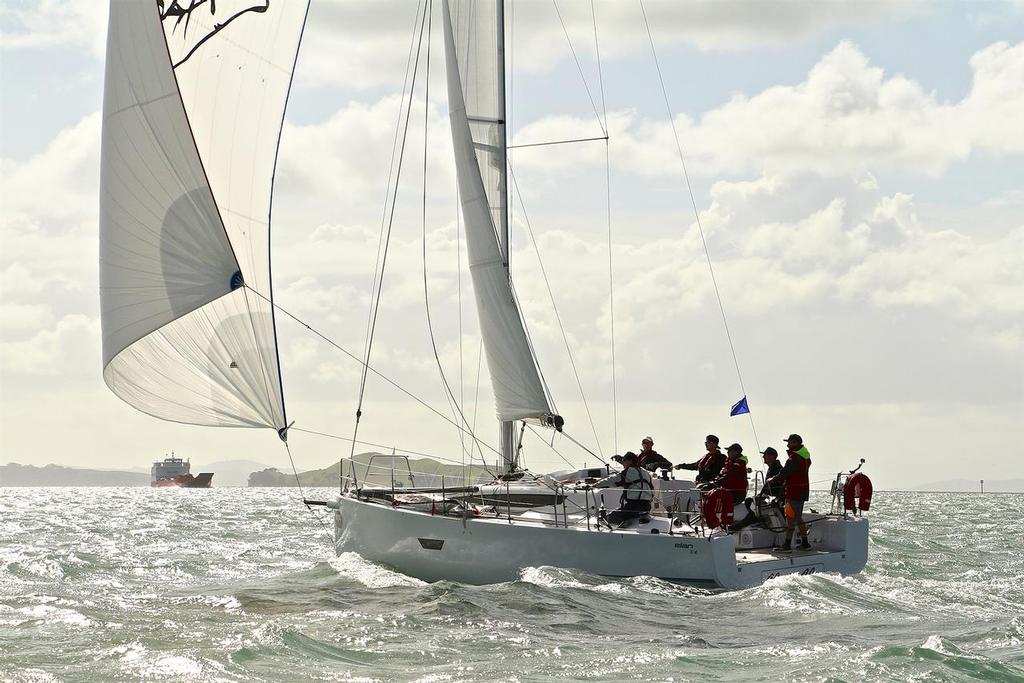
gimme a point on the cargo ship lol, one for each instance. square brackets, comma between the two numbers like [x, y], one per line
[173, 471]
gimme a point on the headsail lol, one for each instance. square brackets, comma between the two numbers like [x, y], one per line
[476, 108]
[194, 99]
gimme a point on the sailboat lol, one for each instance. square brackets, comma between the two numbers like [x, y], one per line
[194, 104]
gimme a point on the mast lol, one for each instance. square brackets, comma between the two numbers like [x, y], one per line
[475, 65]
[506, 428]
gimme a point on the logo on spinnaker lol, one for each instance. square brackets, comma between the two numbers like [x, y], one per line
[189, 24]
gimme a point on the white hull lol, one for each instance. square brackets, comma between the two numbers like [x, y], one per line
[492, 550]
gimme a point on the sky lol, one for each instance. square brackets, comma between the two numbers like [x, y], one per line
[858, 169]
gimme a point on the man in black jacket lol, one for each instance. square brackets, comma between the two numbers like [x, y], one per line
[650, 459]
[772, 488]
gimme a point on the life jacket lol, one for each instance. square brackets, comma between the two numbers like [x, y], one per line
[717, 507]
[857, 492]
[706, 469]
[798, 484]
[734, 476]
[637, 486]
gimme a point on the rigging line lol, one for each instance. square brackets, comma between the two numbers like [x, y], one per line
[533, 349]
[608, 213]
[570, 437]
[600, 73]
[406, 451]
[458, 278]
[302, 493]
[554, 306]
[551, 446]
[366, 366]
[557, 142]
[476, 393]
[378, 265]
[696, 213]
[375, 306]
[579, 67]
[391, 170]
[449, 394]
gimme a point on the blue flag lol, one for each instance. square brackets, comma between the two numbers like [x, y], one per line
[739, 408]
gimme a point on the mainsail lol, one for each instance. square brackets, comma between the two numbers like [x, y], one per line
[194, 99]
[476, 103]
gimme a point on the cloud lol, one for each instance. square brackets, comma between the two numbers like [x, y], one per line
[58, 184]
[69, 350]
[48, 224]
[366, 44]
[53, 23]
[846, 117]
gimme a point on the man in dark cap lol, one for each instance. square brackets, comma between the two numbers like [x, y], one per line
[710, 466]
[771, 459]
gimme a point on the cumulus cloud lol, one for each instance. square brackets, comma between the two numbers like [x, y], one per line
[68, 351]
[366, 44]
[53, 23]
[846, 117]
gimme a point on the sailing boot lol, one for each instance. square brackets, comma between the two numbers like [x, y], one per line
[784, 548]
[804, 544]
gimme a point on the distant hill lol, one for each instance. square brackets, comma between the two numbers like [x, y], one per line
[972, 485]
[14, 474]
[229, 472]
[426, 473]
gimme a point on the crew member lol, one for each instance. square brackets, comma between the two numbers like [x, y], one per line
[796, 490]
[733, 477]
[710, 466]
[637, 490]
[772, 488]
[650, 459]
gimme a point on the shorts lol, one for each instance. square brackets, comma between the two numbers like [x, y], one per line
[798, 509]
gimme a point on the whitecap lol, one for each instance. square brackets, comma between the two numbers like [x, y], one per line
[353, 566]
[556, 577]
[58, 615]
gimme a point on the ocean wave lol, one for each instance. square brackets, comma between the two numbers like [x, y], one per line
[241, 585]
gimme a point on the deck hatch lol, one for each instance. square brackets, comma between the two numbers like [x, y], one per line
[431, 543]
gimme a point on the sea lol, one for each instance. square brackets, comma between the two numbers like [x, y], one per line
[235, 584]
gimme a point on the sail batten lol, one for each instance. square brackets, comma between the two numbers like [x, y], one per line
[194, 99]
[475, 73]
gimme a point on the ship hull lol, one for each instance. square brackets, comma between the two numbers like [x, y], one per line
[493, 550]
[186, 481]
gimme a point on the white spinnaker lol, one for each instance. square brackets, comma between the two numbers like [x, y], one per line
[475, 103]
[186, 177]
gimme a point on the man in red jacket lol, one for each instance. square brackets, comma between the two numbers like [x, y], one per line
[734, 475]
[794, 476]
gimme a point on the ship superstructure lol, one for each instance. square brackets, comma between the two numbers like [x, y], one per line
[175, 471]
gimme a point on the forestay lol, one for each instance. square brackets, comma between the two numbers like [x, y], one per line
[473, 51]
[194, 99]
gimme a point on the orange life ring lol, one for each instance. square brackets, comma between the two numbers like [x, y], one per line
[857, 492]
[718, 508]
